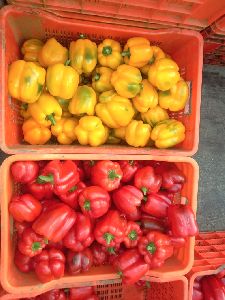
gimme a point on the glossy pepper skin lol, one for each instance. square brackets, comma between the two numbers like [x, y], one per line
[127, 199]
[34, 133]
[137, 52]
[62, 174]
[30, 243]
[79, 262]
[87, 166]
[24, 171]
[109, 54]
[91, 131]
[157, 54]
[157, 204]
[212, 288]
[94, 201]
[119, 132]
[114, 111]
[30, 49]
[110, 230]
[83, 55]
[156, 248]
[83, 101]
[131, 266]
[81, 293]
[129, 168]
[52, 295]
[71, 197]
[137, 133]
[62, 81]
[25, 81]
[80, 235]
[49, 265]
[24, 208]
[52, 53]
[150, 223]
[182, 220]
[64, 130]
[19, 227]
[99, 254]
[154, 115]
[106, 174]
[101, 79]
[127, 81]
[147, 180]
[176, 97]
[23, 262]
[168, 133]
[39, 191]
[163, 74]
[46, 110]
[173, 178]
[55, 222]
[147, 98]
[132, 235]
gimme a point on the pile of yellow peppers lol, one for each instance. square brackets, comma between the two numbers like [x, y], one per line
[98, 94]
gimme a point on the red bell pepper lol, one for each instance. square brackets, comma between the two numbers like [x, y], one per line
[20, 227]
[147, 180]
[80, 169]
[71, 197]
[30, 243]
[157, 204]
[52, 295]
[80, 235]
[127, 198]
[48, 203]
[94, 201]
[182, 220]
[172, 178]
[24, 171]
[59, 245]
[99, 254]
[62, 174]
[212, 288]
[129, 168]
[78, 262]
[131, 266]
[23, 262]
[87, 166]
[132, 235]
[197, 290]
[81, 293]
[49, 265]
[39, 191]
[55, 222]
[24, 208]
[156, 248]
[107, 174]
[110, 230]
[150, 223]
[134, 216]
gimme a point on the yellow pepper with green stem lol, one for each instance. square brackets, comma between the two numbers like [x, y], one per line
[34, 133]
[154, 115]
[65, 107]
[109, 54]
[101, 79]
[25, 81]
[137, 134]
[64, 130]
[91, 131]
[168, 133]
[31, 49]
[157, 54]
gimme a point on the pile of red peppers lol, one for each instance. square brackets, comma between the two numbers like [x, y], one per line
[75, 215]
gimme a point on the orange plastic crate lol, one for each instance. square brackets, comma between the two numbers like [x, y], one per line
[18, 24]
[16, 282]
[209, 256]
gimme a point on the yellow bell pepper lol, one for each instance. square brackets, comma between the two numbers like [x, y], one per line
[109, 54]
[52, 53]
[64, 130]
[164, 73]
[114, 111]
[119, 132]
[25, 81]
[112, 139]
[155, 115]
[127, 81]
[64, 105]
[83, 55]
[91, 131]
[62, 81]
[138, 134]
[24, 111]
[83, 102]
[168, 133]
[101, 79]
[157, 54]
[46, 111]
[137, 52]
[176, 97]
[147, 98]
[30, 49]
[34, 133]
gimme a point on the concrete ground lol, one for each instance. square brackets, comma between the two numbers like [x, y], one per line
[211, 154]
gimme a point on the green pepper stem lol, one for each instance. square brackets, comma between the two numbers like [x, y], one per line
[87, 205]
[151, 247]
[132, 235]
[120, 273]
[74, 188]
[67, 63]
[108, 237]
[144, 190]
[96, 77]
[44, 179]
[51, 119]
[82, 36]
[24, 106]
[126, 53]
[111, 250]
[152, 60]
[113, 175]
[107, 50]
[36, 246]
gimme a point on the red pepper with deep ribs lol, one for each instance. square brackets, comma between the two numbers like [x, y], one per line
[39, 191]
[132, 234]
[147, 180]
[23, 262]
[78, 262]
[129, 168]
[24, 171]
